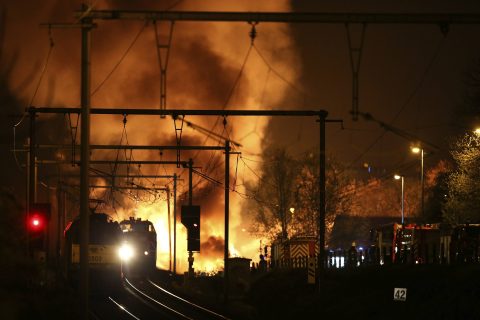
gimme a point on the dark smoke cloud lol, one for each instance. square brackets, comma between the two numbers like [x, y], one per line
[213, 246]
[205, 60]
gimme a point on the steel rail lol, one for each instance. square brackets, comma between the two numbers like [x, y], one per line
[156, 301]
[123, 309]
[186, 301]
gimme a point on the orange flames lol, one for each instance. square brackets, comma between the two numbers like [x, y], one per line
[205, 60]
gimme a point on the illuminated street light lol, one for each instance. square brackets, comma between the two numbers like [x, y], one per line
[420, 150]
[399, 177]
[416, 149]
[477, 131]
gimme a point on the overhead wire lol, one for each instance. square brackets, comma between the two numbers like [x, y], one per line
[176, 3]
[225, 105]
[279, 75]
[42, 74]
[399, 168]
[422, 79]
[406, 103]
[305, 96]
[236, 172]
[270, 69]
[124, 55]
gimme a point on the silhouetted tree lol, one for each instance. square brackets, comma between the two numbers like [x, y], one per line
[273, 194]
[286, 197]
[436, 190]
[338, 195]
[463, 183]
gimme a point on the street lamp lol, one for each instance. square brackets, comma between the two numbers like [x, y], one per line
[420, 150]
[399, 177]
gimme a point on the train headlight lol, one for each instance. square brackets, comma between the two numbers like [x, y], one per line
[125, 252]
[145, 253]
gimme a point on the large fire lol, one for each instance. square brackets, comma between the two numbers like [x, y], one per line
[158, 214]
[205, 61]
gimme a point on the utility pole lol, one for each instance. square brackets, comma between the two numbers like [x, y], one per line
[227, 218]
[190, 203]
[85, 164]
[321, 209]
[174, 224]
[60, 213]
[167, 190]
[30, 171]
[27, 197]
[31, 159]
[422, 183]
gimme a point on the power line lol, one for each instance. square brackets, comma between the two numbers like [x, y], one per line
[173, 5]
[406, 103]
[42, 74]
[121, 60]
[422, 80]
[368, 149]
[280, 76]
[227, 101]
[237, 79]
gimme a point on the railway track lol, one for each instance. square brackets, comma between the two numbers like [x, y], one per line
[143, 299]
[173, 304]
[122, 305]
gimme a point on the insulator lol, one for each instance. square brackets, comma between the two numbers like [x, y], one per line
[253, 32]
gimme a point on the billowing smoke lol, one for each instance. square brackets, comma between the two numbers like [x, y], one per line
[203, 72]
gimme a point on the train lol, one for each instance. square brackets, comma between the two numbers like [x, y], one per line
[115, 250]
[139, 246]
[103, 259]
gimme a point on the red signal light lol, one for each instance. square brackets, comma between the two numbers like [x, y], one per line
[38, 217]
[36, 222]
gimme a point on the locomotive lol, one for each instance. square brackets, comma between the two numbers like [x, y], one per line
[103, 256]
[138, 250]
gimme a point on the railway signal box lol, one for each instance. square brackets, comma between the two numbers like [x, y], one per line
[191, 220]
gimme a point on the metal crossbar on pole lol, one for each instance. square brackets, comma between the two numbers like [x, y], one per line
[44, 162]
[174, 224]
[122, 187]
[126, 147]
[184, 163]
[184, 112]
[226, 270]
[286, 17]
[108, 176]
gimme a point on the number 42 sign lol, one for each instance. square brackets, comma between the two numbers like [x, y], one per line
[400, 294]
